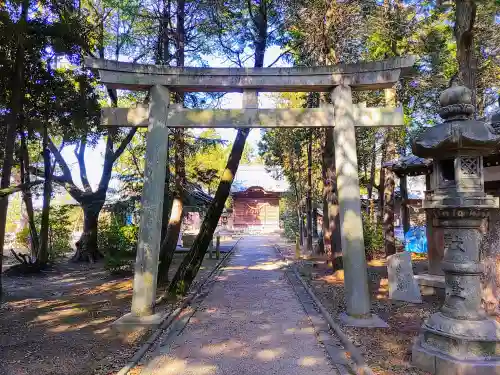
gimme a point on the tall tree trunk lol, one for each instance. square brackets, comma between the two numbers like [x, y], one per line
[169, 244]
[43, 251]
[27, 195]
[87, 248]
[381, 183]
[190, 265]
[297, 199]
[389, 184]
[16, 103]
[309, 194]
[465, 16]
[166, 211]
[331, 219]
[373, 163]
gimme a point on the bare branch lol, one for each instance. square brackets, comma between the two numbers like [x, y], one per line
[62, 163]
[124, 143]
[80, 157]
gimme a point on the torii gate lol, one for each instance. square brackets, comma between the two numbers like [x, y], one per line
[159, 115]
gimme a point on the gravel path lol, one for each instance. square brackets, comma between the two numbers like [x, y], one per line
[250, 323]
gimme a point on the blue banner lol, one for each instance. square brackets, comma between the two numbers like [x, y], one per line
[415, 240]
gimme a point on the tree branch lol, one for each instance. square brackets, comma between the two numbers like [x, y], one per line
[14, 189]
[61, 180]
[125, 142]
[62, 163]
[288, 50]
[80, 157]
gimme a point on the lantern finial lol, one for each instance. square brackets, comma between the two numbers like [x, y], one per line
[456, 103]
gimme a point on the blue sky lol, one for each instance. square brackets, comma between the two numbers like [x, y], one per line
[94, 157]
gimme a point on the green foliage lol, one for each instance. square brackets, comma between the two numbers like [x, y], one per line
[23, 237]
[373, 235]
[118, 244]
[288, 216]
[290, 224]
[60, 230]
[14, 213]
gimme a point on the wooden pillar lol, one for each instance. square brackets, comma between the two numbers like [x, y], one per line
[353, 249]
[435, 239]
[405, 211]
[148, 246]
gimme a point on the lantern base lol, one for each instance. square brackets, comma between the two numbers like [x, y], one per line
[459, 347]
[436, 362]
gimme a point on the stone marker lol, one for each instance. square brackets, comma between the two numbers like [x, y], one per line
[402, 285]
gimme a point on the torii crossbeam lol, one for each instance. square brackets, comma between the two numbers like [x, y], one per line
[343, 116]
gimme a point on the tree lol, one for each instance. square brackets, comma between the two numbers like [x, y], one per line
[465, 16]
[15, 107]
[99, 13]
[234, 17]
[30, 40]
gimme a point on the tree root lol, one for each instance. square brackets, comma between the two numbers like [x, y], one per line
[27, 265]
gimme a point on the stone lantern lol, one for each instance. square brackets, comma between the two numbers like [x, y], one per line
[459, 339]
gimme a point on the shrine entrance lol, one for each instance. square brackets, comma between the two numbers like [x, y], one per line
[341, 117]
[256, 210]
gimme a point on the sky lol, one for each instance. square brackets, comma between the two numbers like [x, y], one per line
[94, 157]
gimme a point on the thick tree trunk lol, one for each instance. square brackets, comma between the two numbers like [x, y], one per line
[331, 219]
[309, 221]
[389, 238]
[490, 255]
[405, 211]
[381, 183]
[166, 211]
[301, 227]
[190, 265]
[297, 199]
[87, 249]
[43, 250]
[16, 103]
[373, 161]
[169, 245]
[389, 183]
[27, 196]
[465, 16]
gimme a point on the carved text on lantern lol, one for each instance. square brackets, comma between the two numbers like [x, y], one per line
[455, 289]
[454, 242]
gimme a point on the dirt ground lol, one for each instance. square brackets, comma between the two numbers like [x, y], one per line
[58, 322]
[387, 351]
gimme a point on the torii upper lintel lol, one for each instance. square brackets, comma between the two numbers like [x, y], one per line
[371, 75]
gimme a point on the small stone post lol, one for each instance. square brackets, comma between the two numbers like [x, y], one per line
[148, 247]
[297, 248]
[353, 249]
[459, 339]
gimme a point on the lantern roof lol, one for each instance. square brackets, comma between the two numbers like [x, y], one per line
[458, 133]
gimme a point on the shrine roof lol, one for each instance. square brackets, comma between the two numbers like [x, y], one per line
[270, 179]
[410, 165]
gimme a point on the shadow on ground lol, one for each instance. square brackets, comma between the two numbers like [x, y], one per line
[58, 322]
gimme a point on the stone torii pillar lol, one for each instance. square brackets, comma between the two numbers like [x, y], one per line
[148, 247]
[353, 250]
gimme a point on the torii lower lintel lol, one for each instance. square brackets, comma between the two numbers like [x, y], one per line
[252, 118]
